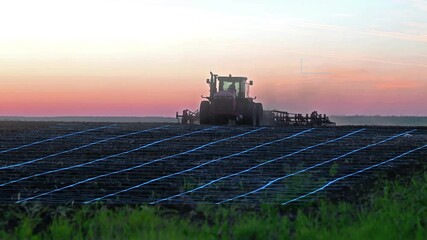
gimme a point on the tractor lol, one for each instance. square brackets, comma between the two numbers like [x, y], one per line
[229, 101]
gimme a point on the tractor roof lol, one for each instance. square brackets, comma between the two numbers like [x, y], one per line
[227, 78]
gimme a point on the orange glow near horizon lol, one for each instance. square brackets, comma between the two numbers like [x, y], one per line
[151, 58]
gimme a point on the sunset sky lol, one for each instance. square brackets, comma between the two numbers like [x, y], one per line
[145, 58]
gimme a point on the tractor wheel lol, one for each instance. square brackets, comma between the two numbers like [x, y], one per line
[205, 112]
[259, 114]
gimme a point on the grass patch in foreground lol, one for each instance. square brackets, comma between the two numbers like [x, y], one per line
[394, 211]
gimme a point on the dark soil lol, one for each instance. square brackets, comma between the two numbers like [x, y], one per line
[158, 162]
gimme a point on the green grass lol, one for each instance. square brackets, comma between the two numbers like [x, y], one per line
[396, 210]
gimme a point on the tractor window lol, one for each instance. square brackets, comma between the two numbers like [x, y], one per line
[231, 86]
[235, 85]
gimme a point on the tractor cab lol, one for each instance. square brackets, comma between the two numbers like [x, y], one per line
[229, 86]
[236, 85]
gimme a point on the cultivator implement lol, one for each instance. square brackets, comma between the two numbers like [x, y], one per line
[275, 117]
[188, 117]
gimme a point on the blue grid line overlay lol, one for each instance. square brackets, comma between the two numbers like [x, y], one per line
[306, 169]
[354, 173]
[55, 138]
[141, 165]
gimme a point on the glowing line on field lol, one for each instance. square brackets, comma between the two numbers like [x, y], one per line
[303, 170]
[352, 174]
[138, 166]
[256, 166]
[120, 154]
[72, 150]
[198, 166]
[175, 155]
[54, 138]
